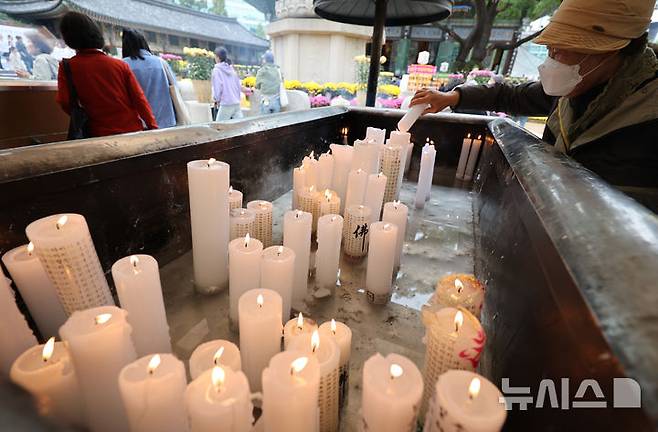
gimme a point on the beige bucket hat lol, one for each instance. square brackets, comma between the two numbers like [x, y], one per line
[596, 26]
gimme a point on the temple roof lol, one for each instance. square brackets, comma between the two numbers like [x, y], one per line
[150, 15]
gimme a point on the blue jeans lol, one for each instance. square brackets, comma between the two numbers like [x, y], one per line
[270, 104]
[228, 112]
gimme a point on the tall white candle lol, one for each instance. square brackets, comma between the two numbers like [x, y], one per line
[396, 213]
[64, 247]
[297, 326]
[213, 353]
[244, 275]
[260, 332]
[465, 401]
[326, 350]
[408, 153]
[381, 259]
[342, 164]
[375, 134]
[325, 171]
[392, 388]
[15, 335]
[243, 222]
[425, 176]
[36, 289]
[459, 289]
[291, 388]
[342, 335]
[298, 183]
[297, 236]
[454, 340]
[137, 280]
[309, 202]
[277, 273]
[327, 258]
[209, 214]
[356, 188]
[408, 120]
[428, 191]
[473, 158]
[219, 400]
[399, 138]
[366, 156]
[263, 221]
[375, 194]
[47, 373]
[356, 231]
[463, 157]
[100, 343]
[152, 390]
[392, 165]
[234, 198]
[310, 164]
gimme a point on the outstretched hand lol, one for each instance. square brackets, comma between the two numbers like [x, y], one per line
[436, 99]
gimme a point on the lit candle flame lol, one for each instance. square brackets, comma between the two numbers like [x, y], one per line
[474, 388]
[218, 377]
[479, 136]
[327, 195]
[333, 218]
[48, 349]
[459, 285]
[387, 226]
[359, 171]
[396, 204]
[241, 212]
[300, 321]
[468, 136]
[260, 300]
[279, 251]
[315, 341]
[230, 190]
[344, 131]
[459, 320]
[246, 240]
[298, 213]
[395, 371]
[153, 364]
[311, 189]
[30, 248]
[102, 318]
[134, 260]
[312, 155]
[61, 221]
[380, 174]
[211, 161]
[298, 365]
[333, 326]
[218, 355]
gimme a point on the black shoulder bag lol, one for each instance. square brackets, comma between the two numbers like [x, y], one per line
[79, 123]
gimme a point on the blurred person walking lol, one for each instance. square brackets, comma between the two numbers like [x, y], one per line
[226, 87]
[268, 81]
[103, 87]
[150, 73]
[25, 56]
[45, 66]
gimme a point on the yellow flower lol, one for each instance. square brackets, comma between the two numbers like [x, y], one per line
[390, 89]
[312, 87]
[292, 84]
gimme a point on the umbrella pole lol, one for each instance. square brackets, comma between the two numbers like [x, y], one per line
[376, 51]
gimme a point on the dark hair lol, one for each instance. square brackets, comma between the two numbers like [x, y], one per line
[222, 54]
[131, 42]
[81, 32]
[39, 42]
[636, 46]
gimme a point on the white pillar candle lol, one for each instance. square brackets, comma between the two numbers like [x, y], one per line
[327, 258]
[47, 373]
[399, 138]
[342, 335]
[329, 203]
[263, 223]
[396, 213]
[36, 289]
[465, 401]
[454, 340]
[234, 198]
[408, 120]
[15, 335]
[216, 352]
[428, 191]
[460, 290]
[357, 183]
[375, 194]
[463, 157]
[328, 355]
[243, 222]
[310, 165]
[473, 158]
[392, 165]
[260, 332]
[291, 388]
[366, 156]
[309, 202]
[297, 236]
[137, 280]
[219, 400]
[356, 231]
[209, 215]
[244, 274]
[277, 273]
[381, 259]
[152, 390]
[298, 183]
[342, 164]
[392, 388]
[408, 153]
[325, 171]
[300, 325]
[100, 343]
[64, 247]
[375, 134]
[425, 176]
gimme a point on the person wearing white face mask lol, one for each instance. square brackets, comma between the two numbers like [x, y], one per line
[599, 89]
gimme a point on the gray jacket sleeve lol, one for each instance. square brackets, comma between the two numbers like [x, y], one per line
[526, 99]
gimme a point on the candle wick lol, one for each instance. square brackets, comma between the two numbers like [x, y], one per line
[456, 328]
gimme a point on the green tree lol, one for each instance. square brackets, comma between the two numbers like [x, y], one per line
[218, 7]
[199, 5]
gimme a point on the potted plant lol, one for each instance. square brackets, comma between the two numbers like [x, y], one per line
[199, 69]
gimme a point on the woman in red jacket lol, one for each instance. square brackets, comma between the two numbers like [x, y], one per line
[106, 87]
